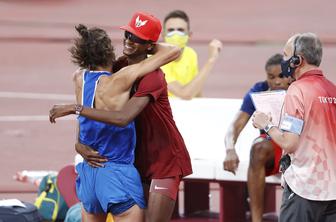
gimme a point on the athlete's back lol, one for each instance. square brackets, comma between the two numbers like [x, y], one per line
[115, 143]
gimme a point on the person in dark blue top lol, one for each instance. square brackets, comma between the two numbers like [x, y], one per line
[116, 187]
[265, 154]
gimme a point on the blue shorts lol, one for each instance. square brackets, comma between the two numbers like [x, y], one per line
[114, 188]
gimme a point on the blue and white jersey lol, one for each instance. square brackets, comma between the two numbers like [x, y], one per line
[113, 142]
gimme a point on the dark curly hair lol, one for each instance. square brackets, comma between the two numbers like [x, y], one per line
[92, 49]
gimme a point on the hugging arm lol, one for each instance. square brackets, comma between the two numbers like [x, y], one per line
[119, 118]
[163, 54]
[125, 78]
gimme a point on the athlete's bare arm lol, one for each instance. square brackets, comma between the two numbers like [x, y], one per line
[78, 81]
[163, 54]
[119, 118]
[231, 161]
[77, 78]
[78, 84]
[133, 107]
[113, 92]
[123, 80]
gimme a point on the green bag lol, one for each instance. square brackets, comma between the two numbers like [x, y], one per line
[49, 202]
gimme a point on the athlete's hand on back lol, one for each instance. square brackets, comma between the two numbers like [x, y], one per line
[90, 155]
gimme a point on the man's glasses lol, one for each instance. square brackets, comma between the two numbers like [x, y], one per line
[135, 38]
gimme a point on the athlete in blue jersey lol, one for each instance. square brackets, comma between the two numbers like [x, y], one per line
[117, 146]
[115, 188]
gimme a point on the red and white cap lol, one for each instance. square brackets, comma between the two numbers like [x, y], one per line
[144, 26]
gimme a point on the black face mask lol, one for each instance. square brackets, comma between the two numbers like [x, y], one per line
[286, 69]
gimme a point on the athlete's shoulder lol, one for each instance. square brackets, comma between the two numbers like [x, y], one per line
[79, 72]
[77, 76]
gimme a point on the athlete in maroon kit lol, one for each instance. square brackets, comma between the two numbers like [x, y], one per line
[161, 155]
[160, 151]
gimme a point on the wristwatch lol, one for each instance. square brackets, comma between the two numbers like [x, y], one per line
[268, 127]
[78, 109]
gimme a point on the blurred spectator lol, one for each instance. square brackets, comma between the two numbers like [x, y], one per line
[182, 75]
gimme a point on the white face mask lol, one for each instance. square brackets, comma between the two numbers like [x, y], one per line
[177, 38]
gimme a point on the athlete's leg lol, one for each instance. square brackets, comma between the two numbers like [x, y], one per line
[160, 208]
[162, 197]
[134, 214]
[88, 217]
[261, 157]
